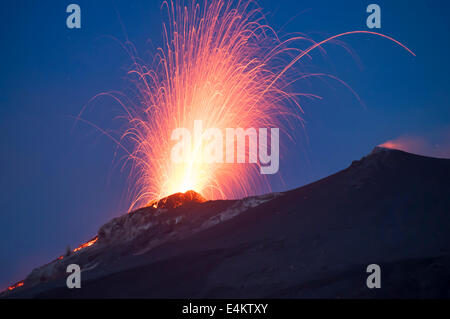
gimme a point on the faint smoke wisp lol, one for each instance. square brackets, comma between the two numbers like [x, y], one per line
[436, 146]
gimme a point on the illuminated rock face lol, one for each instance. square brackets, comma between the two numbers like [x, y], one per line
[177, 217]
[178, 199]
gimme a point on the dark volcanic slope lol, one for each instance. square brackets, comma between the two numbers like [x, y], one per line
[390, 208]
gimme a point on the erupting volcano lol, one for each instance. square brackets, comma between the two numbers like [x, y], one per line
[220, 64]
[224, 199]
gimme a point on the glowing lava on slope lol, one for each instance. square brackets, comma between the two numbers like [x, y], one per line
[87, 244]
[16, 285]
[82, 246]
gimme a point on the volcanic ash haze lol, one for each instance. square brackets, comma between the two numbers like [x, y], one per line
[390, 208]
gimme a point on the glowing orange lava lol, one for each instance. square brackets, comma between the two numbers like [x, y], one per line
[219, 64]
[16, 285]
[222, 65]
[88, 244]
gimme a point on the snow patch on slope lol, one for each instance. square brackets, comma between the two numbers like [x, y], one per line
[238, 208]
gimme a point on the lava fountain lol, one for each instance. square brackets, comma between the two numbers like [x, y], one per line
[217, 65]
[221, 64]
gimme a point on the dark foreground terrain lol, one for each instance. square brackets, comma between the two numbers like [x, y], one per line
[391, 208]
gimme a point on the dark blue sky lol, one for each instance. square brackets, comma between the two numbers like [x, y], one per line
[59, 185]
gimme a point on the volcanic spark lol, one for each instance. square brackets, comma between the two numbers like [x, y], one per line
[217, 66]
[222, 65]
